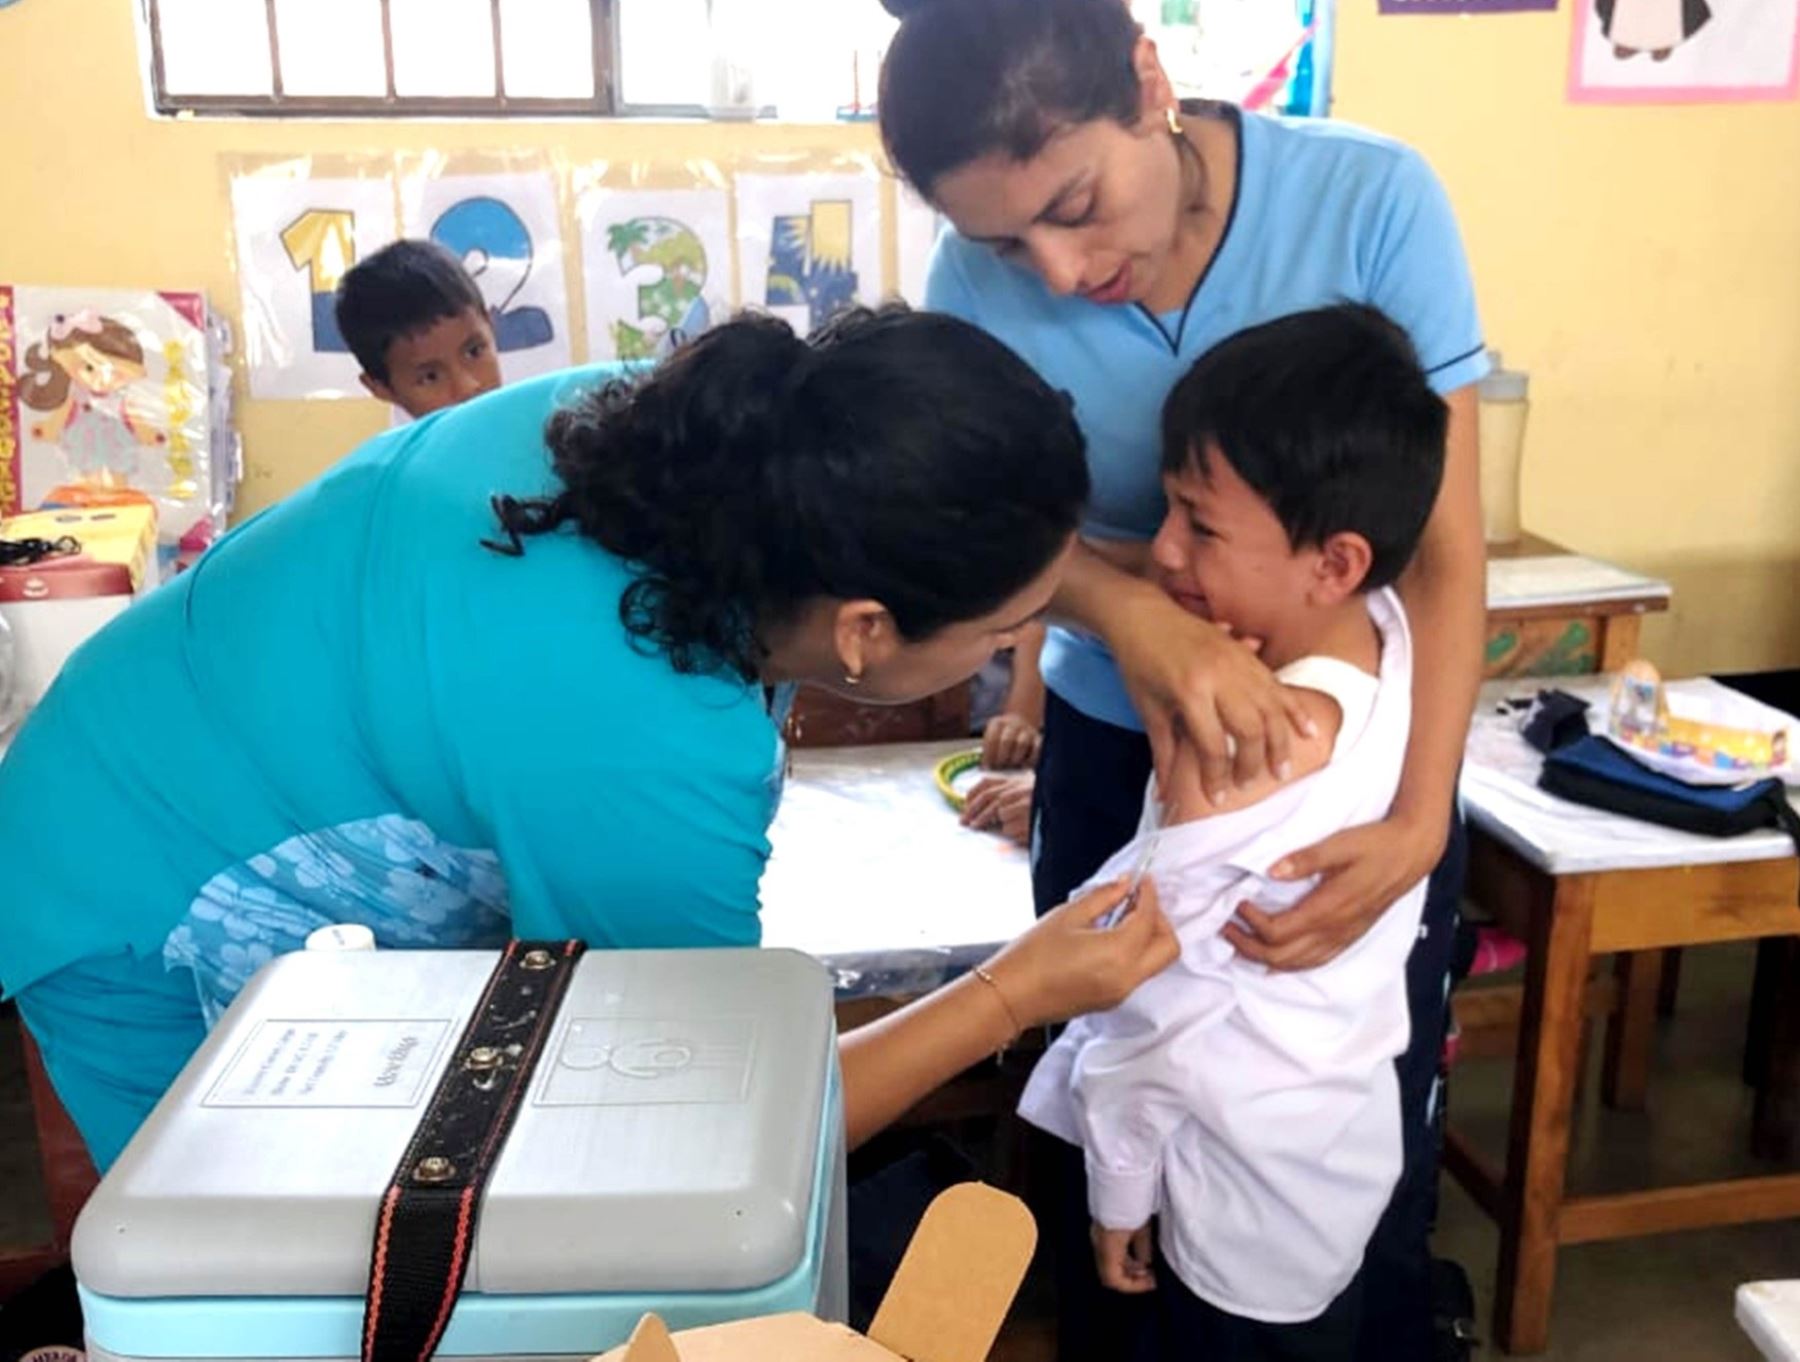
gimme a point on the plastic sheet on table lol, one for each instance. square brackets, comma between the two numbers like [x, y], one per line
[872, 873]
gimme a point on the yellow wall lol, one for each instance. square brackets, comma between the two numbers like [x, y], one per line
[1642, 263]
[106, 195]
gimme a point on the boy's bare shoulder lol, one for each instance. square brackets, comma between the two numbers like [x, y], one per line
[1307, 754]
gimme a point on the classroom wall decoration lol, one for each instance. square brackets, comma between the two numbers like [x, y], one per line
[297, 234]
[916, 228]
[801, 238]
[1685, 51]
[1463, 6]
[810, 244]
[657, 264]
[104, 391]
[506, 228]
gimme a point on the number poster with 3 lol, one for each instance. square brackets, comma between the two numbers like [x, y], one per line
[296, 238]
[657, 266]
[506, 228]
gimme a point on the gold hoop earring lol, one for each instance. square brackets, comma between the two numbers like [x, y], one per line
[1173, 115]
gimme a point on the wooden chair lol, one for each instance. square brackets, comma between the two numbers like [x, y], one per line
[821, 719]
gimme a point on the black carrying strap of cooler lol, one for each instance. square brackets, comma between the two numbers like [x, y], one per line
[426, 1227]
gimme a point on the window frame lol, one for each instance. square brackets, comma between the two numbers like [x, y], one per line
[278, 104]
[605, 102]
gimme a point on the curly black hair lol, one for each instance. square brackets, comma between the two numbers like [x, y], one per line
[908, 458]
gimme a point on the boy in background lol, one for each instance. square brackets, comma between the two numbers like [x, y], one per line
[417, 324]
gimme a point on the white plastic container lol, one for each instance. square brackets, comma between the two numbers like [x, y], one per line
[1504, 403]
[680, 1150]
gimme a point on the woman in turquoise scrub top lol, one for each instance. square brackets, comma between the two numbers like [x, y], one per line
[1111, 235]
[519, 669]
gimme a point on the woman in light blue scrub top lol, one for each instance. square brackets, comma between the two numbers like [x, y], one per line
[519, 669]
[1111, 235]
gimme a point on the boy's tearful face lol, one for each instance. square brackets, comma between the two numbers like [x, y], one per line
[1221, 553]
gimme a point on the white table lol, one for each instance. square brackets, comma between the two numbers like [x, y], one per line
[1552, 612]
[872, 872]
[1573, 883]
[1501, 797]
[1525, 580]
[1770, 1313]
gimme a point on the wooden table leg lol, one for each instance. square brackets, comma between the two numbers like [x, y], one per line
[1619, 640]
[1775, 1129]
[1626, 1076]
[1764, 989]
[1562, 915]
[1671, 982]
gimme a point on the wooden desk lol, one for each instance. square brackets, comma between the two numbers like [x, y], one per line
[1592, 626]
[822, 719]
[1551, 876]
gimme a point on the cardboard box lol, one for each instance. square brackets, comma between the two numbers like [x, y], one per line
[946, 1304]
[125, 535]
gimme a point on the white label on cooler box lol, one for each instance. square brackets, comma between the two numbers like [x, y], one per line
[332, 1063]
[637, 1061]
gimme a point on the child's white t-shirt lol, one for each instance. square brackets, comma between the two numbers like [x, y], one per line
[1257, 1113]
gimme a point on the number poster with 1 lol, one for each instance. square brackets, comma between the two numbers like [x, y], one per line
[297, 235]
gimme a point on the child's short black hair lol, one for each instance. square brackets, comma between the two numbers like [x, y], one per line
[404, 287]
[1329, 418]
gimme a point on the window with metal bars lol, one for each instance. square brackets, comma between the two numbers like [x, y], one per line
[798, 60]
[808, 60]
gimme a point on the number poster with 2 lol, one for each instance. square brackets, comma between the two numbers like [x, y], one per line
[507, 231]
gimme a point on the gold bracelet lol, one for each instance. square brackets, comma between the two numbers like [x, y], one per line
[982, 973]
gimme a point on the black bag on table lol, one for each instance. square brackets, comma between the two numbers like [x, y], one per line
[1592, 771]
